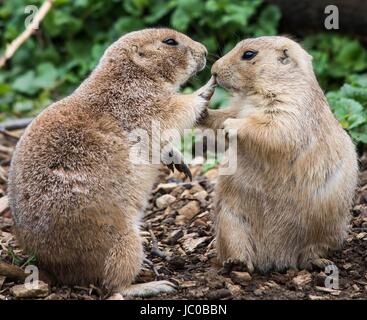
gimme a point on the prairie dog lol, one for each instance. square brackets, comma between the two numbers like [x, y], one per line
[76, 198]
[288, 202]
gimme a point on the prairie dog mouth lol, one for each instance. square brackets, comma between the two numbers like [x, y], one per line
[201, 65]
[199, 61]
[198, 66]
[222, 83]
[193, 69]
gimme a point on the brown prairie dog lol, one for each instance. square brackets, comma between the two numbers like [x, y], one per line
[288, 203]
[76, 197]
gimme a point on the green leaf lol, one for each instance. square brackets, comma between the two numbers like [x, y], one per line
[354, 54]
[209, 164]
[239, 14]
[23, 106]
[354, 92]
[26, 83]
[359, 80]
[158, 10]
[180, 20]
[135, 7]
[359, 136]
[46, 75]
[335, 58]
[127, 24]
[349, 112]
[81, 3]
[219, 99]
[268, 21]
[4, 88]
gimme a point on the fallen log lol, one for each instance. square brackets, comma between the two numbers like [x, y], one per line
[15, 124]
[11, 271]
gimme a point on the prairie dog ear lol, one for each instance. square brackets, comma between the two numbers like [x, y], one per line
[136, 50]
[285, 58]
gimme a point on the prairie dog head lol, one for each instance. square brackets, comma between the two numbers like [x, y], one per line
[160, 54]
[265, 65]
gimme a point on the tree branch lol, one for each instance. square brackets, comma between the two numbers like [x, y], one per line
[16, 43]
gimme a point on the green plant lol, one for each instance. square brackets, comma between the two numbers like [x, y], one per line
[349, 105]
[335, 58]
[220, 98]
[20, 260]
[208, 165]
[75, 33]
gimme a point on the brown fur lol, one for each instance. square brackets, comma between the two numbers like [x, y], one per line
[288, 202]
[75, 196]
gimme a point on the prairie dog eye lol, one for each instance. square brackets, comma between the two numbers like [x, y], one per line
[170, 42]
[248, 55]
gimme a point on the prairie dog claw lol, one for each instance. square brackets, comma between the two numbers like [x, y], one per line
[182, 167]
[207, 91]
[174, 159]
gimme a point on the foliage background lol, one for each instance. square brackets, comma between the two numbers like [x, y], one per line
[75, 33]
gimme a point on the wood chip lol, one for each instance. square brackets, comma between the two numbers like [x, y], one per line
[116, 296]
[313, 297]
[166, 187]
[191, 244]
[347, 266]
[22, 291]
[164, 201]
[4, 204]
[361, 235]
[328, 290]
[242, 278]
[186, 213]
[303, 278]
[2, 280]
[188, 284]
[356, 288]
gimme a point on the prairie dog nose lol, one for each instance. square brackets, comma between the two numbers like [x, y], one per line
[202, 49]
[215, 69]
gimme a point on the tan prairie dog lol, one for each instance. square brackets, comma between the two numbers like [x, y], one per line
[76, 198]
[288, 202]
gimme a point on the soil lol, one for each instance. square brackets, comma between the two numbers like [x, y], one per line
[179, 243]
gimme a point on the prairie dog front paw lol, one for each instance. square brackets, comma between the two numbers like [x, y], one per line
[231, 127]
[233, 264]
[203, 96]
[207, 91]
[231, 123]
